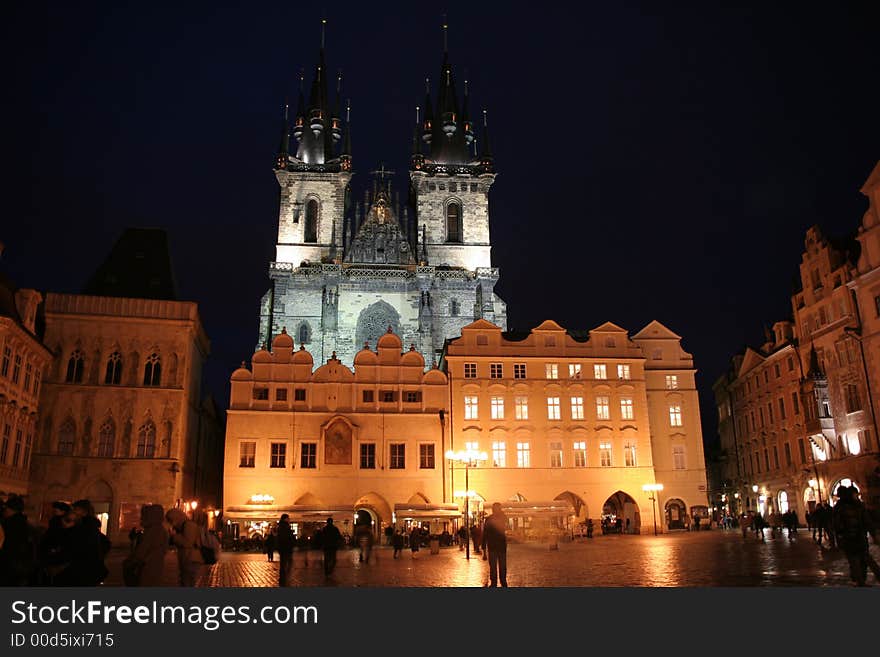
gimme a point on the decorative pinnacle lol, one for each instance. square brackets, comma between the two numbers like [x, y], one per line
[417, 114]
[485, 119]
[445, 30]
[339, 81]
[323, 25]
[347, 110]
[427, 85]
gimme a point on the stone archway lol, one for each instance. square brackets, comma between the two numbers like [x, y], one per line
[675, 511]
[622, 506]
[100, 495]
[372, 508]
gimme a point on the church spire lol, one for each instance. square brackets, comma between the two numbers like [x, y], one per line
[284, 146]
[300, 119]
[486, 159]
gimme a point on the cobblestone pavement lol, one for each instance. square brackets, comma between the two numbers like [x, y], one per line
[680, 559]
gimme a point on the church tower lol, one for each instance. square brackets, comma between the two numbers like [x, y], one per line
[344, 272]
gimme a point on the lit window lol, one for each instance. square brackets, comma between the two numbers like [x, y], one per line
[671, 382]
[675, 415]
[580, 454]
[574, 370]
[470, 370]
[605, 455]
[626, 408]
[499, 454]
[553, 408]
[521, 408]
[603, 408]
[600, 371]
[522, 455]
[519, 370]
[247, 453]
[426, 456]
[552, 370]
[678, 457]
[577, 408]
[623, 372]
[308, 456]
[497, 406]
[629, 455]
[471, 446]
[555, 455]
[471, 406]
[278, 457]
[496, 370]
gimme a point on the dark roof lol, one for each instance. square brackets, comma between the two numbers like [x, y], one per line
[138, 266]
[7, 298]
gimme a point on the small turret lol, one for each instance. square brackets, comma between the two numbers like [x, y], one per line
[336, 120]
[428, 125]
[284, 147]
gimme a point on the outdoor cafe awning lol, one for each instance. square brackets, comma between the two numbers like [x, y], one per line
[427, 511]
[556, 508]
[297, 513]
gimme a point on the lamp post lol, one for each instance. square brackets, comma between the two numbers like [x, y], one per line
[653, 489]
[470, 458]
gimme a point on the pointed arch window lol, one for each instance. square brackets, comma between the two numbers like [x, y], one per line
[107, 438]
[304, 333]
[454, 309]
[146, 445]
[453, 222]
[153, 370]
[113, 375]
[310, 233]
[66, 437]
[75, 367]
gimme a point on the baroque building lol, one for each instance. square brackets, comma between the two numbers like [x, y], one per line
[23, 362]
[346, 270]
[575, 424]
[124, 422]
[798, 416]
[362, 443]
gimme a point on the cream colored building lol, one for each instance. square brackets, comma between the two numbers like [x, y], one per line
[575, 425]
[23, 360]
[122, 404]
[323, 441]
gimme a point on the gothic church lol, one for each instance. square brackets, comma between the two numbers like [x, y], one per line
[346, 271]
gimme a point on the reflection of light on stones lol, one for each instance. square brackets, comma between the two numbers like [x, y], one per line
[661, 566]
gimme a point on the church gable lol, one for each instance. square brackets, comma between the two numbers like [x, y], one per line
[380, 239]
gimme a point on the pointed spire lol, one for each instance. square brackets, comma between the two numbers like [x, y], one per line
[428, 124]
[300, 119]
[485, 151]
[336, 120]
[345, 155]
[465, 119]
[284, 146]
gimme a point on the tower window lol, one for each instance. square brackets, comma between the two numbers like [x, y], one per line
[453, 308]
[453, 223]
[310, 233]
[304, 334]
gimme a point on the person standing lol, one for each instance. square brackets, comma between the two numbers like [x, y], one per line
[185, 536]
[269, 545]
[149, 551]
[494, 541]
[330, 539]
[477, 535]
[17, 557]
[851, 525]
[397, 542]
[415, 539]
[284, 543]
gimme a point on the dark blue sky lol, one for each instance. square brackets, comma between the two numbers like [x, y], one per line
[654, 162]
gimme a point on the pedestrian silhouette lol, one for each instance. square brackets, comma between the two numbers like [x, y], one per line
[284, 545]
[330, 540]
[495, 543]
[852, 524]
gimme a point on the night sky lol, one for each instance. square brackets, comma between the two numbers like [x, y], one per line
[654, 162]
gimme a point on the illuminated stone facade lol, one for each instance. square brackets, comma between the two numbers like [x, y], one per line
[23, 361]
[574, 424]
[323, 441]
[798, 451]
[344, 271]
[122, 400]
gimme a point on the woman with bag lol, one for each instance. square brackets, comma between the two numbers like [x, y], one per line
[146, 565]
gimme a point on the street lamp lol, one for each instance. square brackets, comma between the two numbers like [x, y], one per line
[470, 458]
[653, 489]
